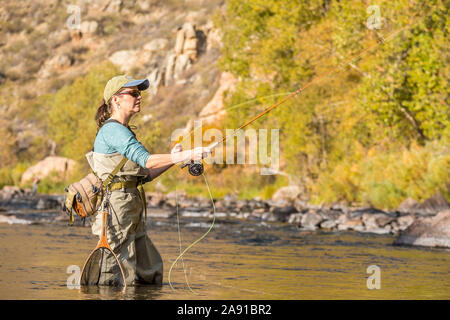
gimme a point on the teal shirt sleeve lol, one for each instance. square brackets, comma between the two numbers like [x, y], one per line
[114, 137]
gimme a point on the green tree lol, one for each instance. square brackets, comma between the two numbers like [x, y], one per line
[382, 102]
[71, 112]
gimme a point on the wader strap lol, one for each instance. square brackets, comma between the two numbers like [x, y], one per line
[113, 173]
[122, 185]
[71, 218]
[144, 201]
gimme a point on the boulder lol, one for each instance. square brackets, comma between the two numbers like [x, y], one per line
[385, 230]
[408, 205]
[370, 210]
[428, 231]
[342, 218]
[256, 204]
[329, 214]
[155, 199]
[328, 224]
[288, 193]
[125, 59]
[259, 211]
[10, 192]
[47, 203]
[62, 166]
[301, 206]
[282, 213]
[434, 204]
[243, 206]
[269, 216]
[156, 45]
[311, 219]
[339, 207]
[56, 63]
[295, 218]
[377, 220]
[405, 221]
[352, 224]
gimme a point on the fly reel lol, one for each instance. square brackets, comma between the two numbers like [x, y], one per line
[195, 168]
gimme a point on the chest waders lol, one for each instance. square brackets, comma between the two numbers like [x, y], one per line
[134, 258]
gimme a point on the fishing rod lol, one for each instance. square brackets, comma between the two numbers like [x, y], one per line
[196, 168]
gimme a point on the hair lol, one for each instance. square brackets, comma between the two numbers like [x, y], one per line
[103, 113]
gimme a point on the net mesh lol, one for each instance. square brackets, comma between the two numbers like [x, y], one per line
[102, 268]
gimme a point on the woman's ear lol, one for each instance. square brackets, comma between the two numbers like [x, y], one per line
[115, 101]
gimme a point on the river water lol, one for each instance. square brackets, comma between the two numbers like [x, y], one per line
[236, 260]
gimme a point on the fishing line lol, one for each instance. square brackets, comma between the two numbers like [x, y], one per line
[379, 42]
[246, 102]
[339, 66]
[199, 239]
[327, 74]
[234, 107]
[179, 242]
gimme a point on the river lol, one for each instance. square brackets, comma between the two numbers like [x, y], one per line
[236, 260]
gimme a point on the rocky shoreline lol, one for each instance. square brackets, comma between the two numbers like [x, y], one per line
[424, 224]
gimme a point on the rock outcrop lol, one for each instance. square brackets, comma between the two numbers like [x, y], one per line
[62, 166]
[214, 110]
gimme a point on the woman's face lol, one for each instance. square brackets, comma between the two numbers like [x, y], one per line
[128, 104]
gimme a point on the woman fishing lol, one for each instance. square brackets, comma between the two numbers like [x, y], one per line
[125, 197]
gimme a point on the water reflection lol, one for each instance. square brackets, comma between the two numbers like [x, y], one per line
[139, 292]
[258, 262]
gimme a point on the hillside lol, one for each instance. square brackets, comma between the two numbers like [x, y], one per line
[375, 132]
[47, 46]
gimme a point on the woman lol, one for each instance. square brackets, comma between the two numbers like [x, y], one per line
[126, 232]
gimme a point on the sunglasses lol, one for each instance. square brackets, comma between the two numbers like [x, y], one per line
[133, 93]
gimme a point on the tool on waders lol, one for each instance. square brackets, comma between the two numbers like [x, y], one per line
[98, 268]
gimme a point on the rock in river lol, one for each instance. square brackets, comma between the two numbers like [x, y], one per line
[429, 232]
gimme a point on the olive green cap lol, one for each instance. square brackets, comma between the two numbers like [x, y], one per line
[123, 81]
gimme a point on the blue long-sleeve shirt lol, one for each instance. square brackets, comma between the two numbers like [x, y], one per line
[115, 137]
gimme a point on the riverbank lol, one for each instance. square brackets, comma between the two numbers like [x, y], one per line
[414, 223]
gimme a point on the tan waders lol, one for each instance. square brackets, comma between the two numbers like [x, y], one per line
[126, 232]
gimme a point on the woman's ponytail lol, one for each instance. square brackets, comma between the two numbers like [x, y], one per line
[103, 114]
